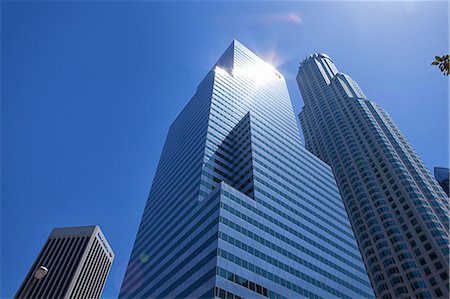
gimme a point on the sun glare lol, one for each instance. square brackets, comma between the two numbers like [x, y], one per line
[260, 73]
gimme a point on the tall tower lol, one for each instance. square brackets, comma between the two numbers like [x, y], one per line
[77, 261]
[238, 208]
[398, 211]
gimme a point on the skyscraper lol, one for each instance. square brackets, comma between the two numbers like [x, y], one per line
[441, 174]
[238, 208]
[77, 261]
[398, 211]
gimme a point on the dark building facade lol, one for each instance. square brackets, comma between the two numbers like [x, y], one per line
[442, 176]
[78, 260]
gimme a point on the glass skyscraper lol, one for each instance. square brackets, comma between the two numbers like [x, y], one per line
[398, 211]
[238, 208]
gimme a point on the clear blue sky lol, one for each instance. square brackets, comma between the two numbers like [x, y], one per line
[89, 90]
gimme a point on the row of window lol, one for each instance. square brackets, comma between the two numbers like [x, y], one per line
[276, 182]
[261, 255]
[248, 284]
[303, 226]
[268, 275]
[283, 237]
[174, 231]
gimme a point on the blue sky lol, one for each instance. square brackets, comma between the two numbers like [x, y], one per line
[89, 90]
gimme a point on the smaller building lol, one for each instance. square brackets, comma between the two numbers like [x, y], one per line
[442, 175]
[73, 263]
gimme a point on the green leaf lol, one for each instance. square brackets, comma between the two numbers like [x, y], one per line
[438, 58]
[434, 63]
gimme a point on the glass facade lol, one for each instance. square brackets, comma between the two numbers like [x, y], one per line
[238, 207]
[398, 211]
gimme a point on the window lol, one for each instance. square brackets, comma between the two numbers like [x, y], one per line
[438, 265]
[400, 291]
[432, 280]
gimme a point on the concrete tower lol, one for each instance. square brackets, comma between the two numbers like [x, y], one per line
[398, 211]
[77, 261]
